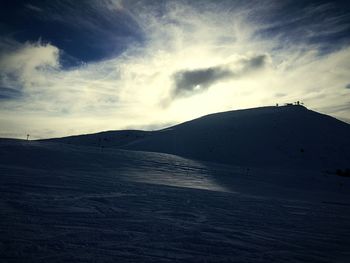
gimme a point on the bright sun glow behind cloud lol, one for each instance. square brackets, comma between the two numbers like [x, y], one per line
[217, 53]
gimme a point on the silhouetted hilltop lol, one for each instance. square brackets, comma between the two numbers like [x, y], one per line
[287, 136]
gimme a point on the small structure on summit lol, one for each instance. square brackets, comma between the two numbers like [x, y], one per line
[297, 103]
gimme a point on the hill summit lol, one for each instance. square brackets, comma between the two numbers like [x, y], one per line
[287, 136]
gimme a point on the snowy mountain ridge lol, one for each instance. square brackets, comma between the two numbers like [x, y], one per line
[286, 136]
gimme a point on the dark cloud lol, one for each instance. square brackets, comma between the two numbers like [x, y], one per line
[254, 63]
[188, 82]
[8, 93]
[85, 31]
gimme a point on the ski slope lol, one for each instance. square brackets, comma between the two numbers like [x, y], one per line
[77, 203]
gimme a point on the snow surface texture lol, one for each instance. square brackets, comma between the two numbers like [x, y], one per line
[81, 202]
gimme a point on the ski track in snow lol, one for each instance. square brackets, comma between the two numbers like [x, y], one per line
[77, 204]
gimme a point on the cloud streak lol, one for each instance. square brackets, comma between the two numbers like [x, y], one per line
[34, 8]
[202, 58]
[189, 82]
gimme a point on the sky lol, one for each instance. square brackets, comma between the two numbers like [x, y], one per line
[76, 67]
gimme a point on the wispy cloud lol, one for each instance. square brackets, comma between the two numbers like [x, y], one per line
[34, 8]
[225, 53]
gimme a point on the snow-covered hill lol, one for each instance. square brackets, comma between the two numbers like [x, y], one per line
[110, 139]
[288, 136]
[92, 198]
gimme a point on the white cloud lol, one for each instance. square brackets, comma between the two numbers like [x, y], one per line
[114, 5]
[29, 63]
[130, 90]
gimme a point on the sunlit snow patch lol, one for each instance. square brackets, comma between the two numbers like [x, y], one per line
[171, 170]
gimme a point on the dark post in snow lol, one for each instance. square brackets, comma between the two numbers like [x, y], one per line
[27, 137]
